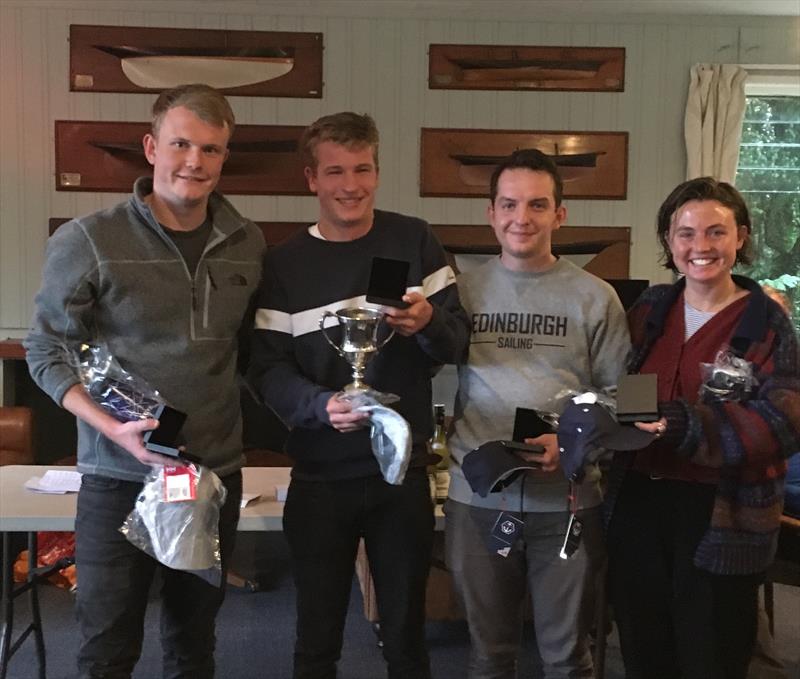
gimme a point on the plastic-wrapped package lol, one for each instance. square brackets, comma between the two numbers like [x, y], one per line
[123, 396]
[728, 378]
[390, 437]
[176, 520]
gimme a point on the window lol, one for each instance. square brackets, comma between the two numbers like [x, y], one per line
[769, 178]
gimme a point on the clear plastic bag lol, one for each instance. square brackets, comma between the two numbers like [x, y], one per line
[177, 522]
[123, 396]
[390, 437]
[728, 378]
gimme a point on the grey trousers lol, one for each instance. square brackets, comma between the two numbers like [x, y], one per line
[492, 589]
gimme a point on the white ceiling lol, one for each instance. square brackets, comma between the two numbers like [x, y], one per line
[619, 7]
[494, 10]
[531, 9]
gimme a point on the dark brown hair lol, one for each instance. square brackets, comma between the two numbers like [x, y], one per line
[528, 159]
[702, 188]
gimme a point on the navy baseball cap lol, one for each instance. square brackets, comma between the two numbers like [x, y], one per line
[586, 430]
[493, 466]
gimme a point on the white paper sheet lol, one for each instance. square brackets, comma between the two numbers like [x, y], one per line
[55, 481]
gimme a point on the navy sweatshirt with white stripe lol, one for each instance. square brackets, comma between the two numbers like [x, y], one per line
[296, 371]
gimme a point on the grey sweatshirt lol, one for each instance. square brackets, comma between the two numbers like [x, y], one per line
[534, 336]
[115, 278]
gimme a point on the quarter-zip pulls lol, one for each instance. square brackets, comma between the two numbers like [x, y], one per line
[192, 248]
[186, 246]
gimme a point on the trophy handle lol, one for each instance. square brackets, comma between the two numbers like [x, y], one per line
[325, 332]
[391, 334]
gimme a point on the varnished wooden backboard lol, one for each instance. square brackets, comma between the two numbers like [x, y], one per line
[108, 156]
[459, 162]
[96, 54]
[609, 245]
[517, 67]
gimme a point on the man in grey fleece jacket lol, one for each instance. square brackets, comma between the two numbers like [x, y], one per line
[540, 326]
[164, 281]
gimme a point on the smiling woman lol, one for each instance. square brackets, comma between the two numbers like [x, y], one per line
[705, 242]
[695, 515]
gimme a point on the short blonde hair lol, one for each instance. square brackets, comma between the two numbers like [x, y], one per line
[349, 129]
[204, 101]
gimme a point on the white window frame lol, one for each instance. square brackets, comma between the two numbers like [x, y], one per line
[772, 81]
[764, 80]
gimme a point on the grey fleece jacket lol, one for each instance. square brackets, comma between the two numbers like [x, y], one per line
[115, 278]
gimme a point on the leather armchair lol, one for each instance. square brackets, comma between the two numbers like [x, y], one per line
[16, 435]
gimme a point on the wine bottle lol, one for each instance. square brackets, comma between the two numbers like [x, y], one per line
[438, 446]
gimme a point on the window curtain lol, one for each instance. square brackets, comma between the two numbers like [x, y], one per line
[713, 123]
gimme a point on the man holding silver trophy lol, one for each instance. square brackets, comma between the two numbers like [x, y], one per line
[352, 255]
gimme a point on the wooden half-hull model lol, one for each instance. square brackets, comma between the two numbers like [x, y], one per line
[162, 68]
[460, 162]
[501, 67]
[477, 170]
[525, 73]
[244, 63]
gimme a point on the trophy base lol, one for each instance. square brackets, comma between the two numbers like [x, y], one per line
[356, 393]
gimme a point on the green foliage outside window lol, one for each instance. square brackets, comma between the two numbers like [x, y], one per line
[769, 178]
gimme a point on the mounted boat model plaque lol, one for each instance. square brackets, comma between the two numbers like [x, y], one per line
[458, 162]
[242, 63]
[601, 250]
[512, 67]
[108, 156]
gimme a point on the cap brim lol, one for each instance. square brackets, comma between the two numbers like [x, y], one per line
[625, 437]
[492, 466]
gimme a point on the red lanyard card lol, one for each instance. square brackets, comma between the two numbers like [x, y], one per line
[180, 483]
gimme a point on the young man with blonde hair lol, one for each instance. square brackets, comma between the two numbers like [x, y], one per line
[337, 494]
[164, 281]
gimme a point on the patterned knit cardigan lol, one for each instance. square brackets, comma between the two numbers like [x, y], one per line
[748, 441]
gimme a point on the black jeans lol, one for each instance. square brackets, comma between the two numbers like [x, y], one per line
[675, 620]
[114, 578]
[323, 522]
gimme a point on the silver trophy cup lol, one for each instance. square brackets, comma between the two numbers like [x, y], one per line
[359, 343]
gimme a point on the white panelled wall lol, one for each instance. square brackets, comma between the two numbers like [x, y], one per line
[376, 64]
